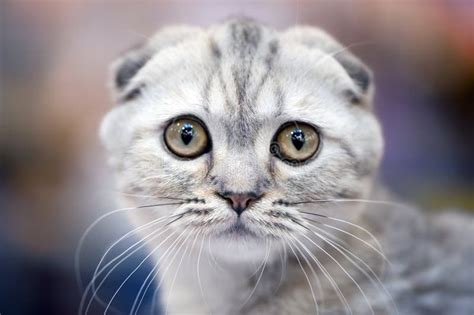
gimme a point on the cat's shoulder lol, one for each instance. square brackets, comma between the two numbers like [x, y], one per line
[432, 258]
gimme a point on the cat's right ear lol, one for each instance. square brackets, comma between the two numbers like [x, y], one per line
[125, 68]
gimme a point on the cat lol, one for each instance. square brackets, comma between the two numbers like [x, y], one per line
[249, 158]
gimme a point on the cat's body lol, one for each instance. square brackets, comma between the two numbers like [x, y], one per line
[252, 230]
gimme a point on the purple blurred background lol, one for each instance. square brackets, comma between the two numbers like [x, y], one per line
[54, 57]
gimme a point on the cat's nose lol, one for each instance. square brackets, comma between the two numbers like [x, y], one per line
[239, 201]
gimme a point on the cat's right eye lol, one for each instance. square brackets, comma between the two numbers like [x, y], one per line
[187, 137]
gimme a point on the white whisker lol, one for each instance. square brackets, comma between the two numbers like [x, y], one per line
[305, 274]
[92, 287]
[134, 270]
[170, 289]
[155, 270]
[369, 201]
[89, 229]
[372, 276]
[212, 257]
[284, 266]
[265, 261]
[339, 51]
[377, 250]
[328, 276]
[198, 273]
[343, 270]
[96, 271]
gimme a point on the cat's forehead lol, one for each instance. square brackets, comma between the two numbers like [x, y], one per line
[242, 73]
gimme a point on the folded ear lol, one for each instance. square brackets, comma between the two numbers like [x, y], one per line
[129, 64]
[356, 69]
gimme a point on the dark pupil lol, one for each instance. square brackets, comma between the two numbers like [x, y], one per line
[297, 138]
[187, 133]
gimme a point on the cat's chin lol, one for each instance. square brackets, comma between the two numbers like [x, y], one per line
[243, 248]
[238, 242]
[238, 231]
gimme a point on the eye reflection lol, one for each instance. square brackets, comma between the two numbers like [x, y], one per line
[187, 133]
[297, 137]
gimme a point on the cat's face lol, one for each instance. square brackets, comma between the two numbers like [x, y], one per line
[243, 125]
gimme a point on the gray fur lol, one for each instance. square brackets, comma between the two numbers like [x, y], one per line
[245, 80]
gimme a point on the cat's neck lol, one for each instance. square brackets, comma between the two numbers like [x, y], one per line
[207, 285]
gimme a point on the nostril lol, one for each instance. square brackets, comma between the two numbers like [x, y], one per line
[239, 201]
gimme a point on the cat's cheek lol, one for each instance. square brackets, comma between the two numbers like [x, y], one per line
[282, 171]
[115, 135]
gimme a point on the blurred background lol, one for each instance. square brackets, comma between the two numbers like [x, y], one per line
[54, 58]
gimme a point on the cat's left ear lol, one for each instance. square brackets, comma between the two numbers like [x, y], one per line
[360, 74]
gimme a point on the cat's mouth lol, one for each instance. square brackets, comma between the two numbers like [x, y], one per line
[238, 229]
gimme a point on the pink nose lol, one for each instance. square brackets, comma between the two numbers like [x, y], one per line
[239, 202]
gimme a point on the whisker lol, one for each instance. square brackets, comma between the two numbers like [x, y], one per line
[305, 274]
[328, 276]
[212, 257]
[143, 180]
[253, 263]
[318, 282]
[369, 201]
[363, 241]
[179, 216]
[161, 204]
[258, 267]
[377, 250]
[267, 254]
[198, 273]
[341, 50]
[342, 268]
[155, 294]
[372, 276]
[108, 306]
[331, 236]
[149, 196]
[89, 229]
[171, 262]
[284, 266]
[91, 286]
[156, 221]
[152, 274]
[135, 269]
[334, 238]
[143, 37]
[170, 289]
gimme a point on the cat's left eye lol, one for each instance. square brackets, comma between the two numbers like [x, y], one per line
[187, 137]
[295, 142]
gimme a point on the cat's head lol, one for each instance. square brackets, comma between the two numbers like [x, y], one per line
[242, 128]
